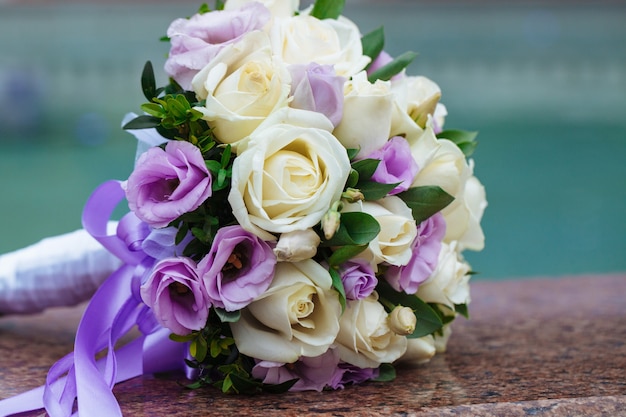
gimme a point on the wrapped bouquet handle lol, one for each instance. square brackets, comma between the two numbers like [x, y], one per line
[63, 270]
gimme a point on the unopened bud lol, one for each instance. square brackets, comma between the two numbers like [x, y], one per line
[332, 220]
[297, 245]
[402, 321]
[352, 195]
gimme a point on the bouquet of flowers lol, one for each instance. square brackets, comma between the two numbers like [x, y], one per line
[297, 213]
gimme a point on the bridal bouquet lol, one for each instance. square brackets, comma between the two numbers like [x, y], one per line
[297, 212]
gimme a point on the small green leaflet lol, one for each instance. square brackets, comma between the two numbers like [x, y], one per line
[142, 122]
[148, 83]
[394, 67]
[227, 316]
[338, 285]
[464, 139]
[356, 228]
[373, 43]
[425, 201]
[386, 373]
[328, 9]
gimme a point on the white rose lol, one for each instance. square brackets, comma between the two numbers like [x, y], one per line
[297, 245]
[418, 96]
[441, 163]
[449, 283]
[419, 350]
[288, 175]
[441, 341]
[297, 316]
[242, 85]
[393, 244]
[464, 214]
[303, 39]
[364, 338]
[368, 111]
[278, 8]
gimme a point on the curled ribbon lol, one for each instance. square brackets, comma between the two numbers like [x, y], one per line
[78, 384]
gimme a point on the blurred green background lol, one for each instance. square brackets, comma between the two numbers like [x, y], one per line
[543, 82]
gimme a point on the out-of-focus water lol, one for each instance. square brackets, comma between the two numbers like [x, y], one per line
[544, 85]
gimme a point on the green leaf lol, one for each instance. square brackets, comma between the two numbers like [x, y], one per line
[374, 190]
[428, 321]
[345, 253]
[219, 4]
[328, 9]
[338, 285]
[373, 43]
[279, 388]
[181, 338]
[213, 166]
[154, 109]
[227, 316]
[352, 152]
[425, 201]
[462, 310]
[148, 83]
[244, 385]
[386, 373]
[353, 178]
[394, 67]
[142, 122]
[356, 228]
[199, 348]
[366, 168]
[464, 139]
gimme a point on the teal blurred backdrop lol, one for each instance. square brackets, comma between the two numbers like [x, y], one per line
[544, 83]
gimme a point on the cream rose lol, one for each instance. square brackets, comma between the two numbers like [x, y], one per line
[364, 338]
[449, 283]
[297, 316]
[441, 163]
[419, 350]
[288, 175]
[303, 39]
[393, 245]
[242, 85]
[418, 96]
[368, 111]
[464, 214]
[278, 8]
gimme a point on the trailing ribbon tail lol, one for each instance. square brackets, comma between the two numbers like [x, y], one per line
[78, 381]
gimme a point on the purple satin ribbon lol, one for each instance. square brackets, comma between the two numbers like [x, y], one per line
[78, 379]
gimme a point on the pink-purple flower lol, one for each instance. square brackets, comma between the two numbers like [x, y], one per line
[195, 41]
[167, 183]
[358, 278]
[425, 249]
[396, 164]
[175, 294]
[317, 88]
[238, 268]
[312, 373]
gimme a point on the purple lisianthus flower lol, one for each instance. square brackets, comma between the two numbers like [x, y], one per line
[168, 183]
[317, 88]
[175, 294]
[195, 41]
[425, 248]
[351, 374]
[312, 373]
[238, 268]
[396, 164]
[358, 279]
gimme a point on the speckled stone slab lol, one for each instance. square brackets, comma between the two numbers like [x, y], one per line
[539, 347]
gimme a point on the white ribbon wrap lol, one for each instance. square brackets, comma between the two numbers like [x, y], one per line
[63, 270]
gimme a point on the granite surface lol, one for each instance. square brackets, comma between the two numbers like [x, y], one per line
[542, 347]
